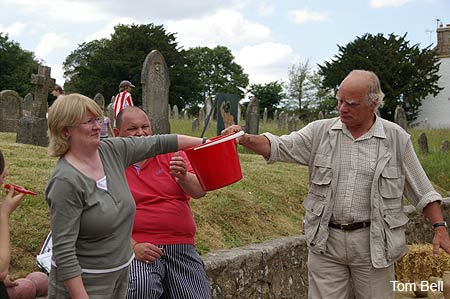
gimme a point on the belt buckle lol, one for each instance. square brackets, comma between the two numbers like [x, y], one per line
[343, 226]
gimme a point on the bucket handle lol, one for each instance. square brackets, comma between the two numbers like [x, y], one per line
[225, 139]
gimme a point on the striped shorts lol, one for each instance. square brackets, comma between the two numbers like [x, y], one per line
[178, 274]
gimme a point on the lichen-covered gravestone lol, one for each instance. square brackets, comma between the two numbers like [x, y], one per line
[10, 110]
[33, 129]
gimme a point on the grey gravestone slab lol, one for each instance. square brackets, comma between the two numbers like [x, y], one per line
[282, 120]
[400, 117]
[175, 112]
[155, 91]
[10, 110]
[252, 117]
[195, 124]
[29, 104]
[185, 115]
[100, 100]
[321, 115]
[265, 115]
[423, 143]
[275, 115]
[445, 146]
[292, 124]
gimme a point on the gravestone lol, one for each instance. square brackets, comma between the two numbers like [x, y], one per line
[292, 124]
[282, 119]
[400, 117]
[265, 116]
[201, 116]
[208, 107]
[321, 115]
[100, 100]
[170, 111]
[227, 110]
[275, 115]
[10, 110]
[185, 115]
[155, 92]
[195, 124]
[175, 112]
[33, 129]
[252, 117]
[28, 104]
[445, 146]
[109, 111]
[239, 113]
[423, 143]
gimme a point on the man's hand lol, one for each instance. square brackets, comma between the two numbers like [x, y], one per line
[178, 167]
[441, 240]
[8, 282]
[146, 252]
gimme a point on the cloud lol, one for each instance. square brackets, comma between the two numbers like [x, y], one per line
[13, 30]
[107, 30]
[57, 73]
[265, 62]
[265, 9]
[387, 3]
[48, 43]
[226, 27]
[63, 10]
[305, 16]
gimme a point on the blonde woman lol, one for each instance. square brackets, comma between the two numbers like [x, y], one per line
[91, 207]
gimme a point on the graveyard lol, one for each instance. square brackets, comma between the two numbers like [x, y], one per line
[243, 230]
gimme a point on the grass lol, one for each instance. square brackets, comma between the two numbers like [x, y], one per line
[265, 204]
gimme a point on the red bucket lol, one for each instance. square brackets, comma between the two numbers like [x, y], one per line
[216, 163]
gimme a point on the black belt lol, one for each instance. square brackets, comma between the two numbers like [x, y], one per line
[349, 226]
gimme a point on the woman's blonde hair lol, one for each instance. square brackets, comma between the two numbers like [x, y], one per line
[67, 111]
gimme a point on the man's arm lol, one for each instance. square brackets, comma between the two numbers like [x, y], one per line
[257, 143]
[441, 238]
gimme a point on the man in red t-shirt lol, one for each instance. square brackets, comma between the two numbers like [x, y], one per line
[123, 98]
[166, 264]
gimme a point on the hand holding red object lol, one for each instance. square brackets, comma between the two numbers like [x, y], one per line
[20, 189]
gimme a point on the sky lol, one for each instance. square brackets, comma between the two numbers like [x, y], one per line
[266, 37]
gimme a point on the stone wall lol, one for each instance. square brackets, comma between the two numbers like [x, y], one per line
[277, 268]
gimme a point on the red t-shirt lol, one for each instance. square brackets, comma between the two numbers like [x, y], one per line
[163, 214]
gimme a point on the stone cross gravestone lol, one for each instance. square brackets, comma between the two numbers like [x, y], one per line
[400, 117]
[227, 110]
[252, 117]
[10, 110]
[100, 100]
[155, 91]
[33, 129]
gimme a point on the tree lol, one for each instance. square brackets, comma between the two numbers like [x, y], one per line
[407, 73]
[217, 71]
[100, 65]
[16, 66]
[269, 96]
[299, 87]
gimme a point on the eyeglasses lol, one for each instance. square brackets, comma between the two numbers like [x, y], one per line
[92, 121]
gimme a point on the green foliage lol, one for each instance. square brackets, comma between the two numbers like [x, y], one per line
[100, 65]
[407, 73]
[217, 71]
[269, 96]
[16, 66]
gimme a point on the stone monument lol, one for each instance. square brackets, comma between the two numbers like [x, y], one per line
[155, 91]
[10, 110]
[252, 117]
[33, 129]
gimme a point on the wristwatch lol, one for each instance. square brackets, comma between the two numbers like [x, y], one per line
[440, 223]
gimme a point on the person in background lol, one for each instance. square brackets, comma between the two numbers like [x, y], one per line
[105, 126]
[7, 206]
[360, 167]
[57, 91]
[123, 98]
[166, 264]
[91, 207]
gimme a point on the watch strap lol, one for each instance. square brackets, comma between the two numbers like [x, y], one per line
[440, 223]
